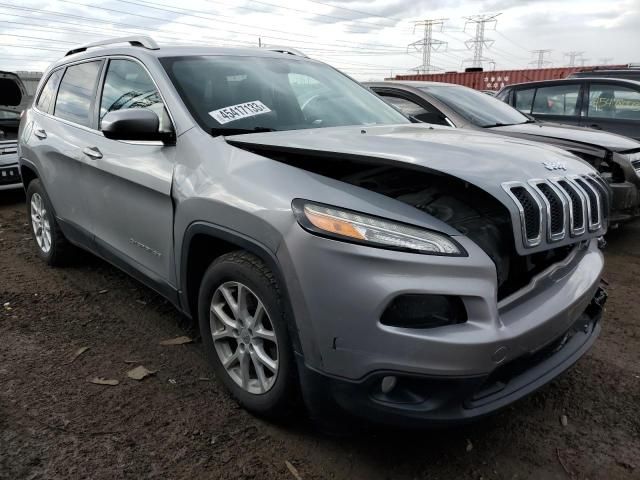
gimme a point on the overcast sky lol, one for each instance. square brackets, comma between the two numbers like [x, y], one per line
[367, 39]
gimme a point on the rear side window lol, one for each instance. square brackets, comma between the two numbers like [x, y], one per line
[613, 101]
[557, 100]
[76, 93]
[128, 85]
[48, 94]
[524, 99]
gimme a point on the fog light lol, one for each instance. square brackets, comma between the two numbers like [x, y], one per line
[388, 384]
[424, 311]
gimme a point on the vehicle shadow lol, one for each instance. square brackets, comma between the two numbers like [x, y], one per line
[12, 197]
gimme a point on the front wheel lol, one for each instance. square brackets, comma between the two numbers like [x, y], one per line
[244, 331]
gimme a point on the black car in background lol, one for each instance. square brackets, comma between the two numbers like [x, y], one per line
[610, 104]
[617, 158]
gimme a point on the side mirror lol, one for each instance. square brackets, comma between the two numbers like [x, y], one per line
[134, 124]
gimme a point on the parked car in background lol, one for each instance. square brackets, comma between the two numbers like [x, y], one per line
[630, 73]
[610, 104]
[325, 243]
[617, 158]
[13, 99]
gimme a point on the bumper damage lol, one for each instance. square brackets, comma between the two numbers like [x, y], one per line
[419, 400]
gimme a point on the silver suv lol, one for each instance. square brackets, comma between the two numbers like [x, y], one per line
[330, 249]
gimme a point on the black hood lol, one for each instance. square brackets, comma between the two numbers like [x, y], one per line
[570, 133]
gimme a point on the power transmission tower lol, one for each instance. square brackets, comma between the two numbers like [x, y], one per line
[540, 61]
[572, 57]
[583, 61]
[427, 44]
[605, 60]
[479, 42]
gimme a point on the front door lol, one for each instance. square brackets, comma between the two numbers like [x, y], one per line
[130, 182]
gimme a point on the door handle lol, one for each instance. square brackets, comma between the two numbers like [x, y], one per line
[40, 133]
[92, 152]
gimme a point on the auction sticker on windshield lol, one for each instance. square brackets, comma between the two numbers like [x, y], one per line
[242, 110]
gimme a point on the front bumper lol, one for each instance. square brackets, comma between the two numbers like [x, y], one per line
[421, 400]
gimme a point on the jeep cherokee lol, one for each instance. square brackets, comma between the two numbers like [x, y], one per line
[326, 245]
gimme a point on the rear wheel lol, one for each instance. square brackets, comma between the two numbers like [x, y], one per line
[50, 242]
[244, 331]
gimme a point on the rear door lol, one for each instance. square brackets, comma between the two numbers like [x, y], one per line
[131, 181]
[613, 107]
[61, 127]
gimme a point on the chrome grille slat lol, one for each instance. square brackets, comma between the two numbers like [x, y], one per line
[556, 214]
[577, 206]
[593, 196]
[555, 209]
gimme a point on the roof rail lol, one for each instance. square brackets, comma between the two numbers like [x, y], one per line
[136, 41]
[287, 50]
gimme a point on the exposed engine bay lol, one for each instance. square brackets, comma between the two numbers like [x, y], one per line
[465, 207]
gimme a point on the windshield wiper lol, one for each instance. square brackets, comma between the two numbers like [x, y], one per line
[215, 131]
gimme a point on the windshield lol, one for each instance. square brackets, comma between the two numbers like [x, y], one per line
[232, 94]
[479, 108]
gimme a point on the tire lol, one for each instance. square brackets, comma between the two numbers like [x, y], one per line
[53, 247]
[270, 394]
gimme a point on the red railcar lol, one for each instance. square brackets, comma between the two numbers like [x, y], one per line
[496, 79]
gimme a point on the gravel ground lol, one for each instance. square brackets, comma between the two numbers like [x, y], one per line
[179, 423]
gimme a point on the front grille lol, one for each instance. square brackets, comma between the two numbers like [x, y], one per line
[9, 175]
[560, 209]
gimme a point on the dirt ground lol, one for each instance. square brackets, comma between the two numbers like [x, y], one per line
[179, 423]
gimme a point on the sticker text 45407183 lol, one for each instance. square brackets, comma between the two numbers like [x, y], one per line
[236, 112]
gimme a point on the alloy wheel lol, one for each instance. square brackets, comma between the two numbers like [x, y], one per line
[243, 337]
[40, 223]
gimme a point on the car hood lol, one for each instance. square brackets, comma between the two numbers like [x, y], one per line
[585, 136]
[486, 160]
[480, 158]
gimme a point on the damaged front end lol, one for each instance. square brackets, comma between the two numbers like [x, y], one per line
[576, 207]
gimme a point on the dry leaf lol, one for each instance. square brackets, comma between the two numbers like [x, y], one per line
[139, 373]
[177, 341]
[101, 292]
[293, 470]
[104, 381]
[79, 352]
[132, 361]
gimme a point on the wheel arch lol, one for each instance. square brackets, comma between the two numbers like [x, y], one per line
[203, 242]
[28, 173]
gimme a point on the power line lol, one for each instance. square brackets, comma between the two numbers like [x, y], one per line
[427, 44]
[370, 15]
[479, 42]
[540, 62]
[139, 15]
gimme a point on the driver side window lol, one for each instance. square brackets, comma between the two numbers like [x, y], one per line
[127, 85]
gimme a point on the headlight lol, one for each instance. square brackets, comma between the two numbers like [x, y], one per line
[366, 229]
